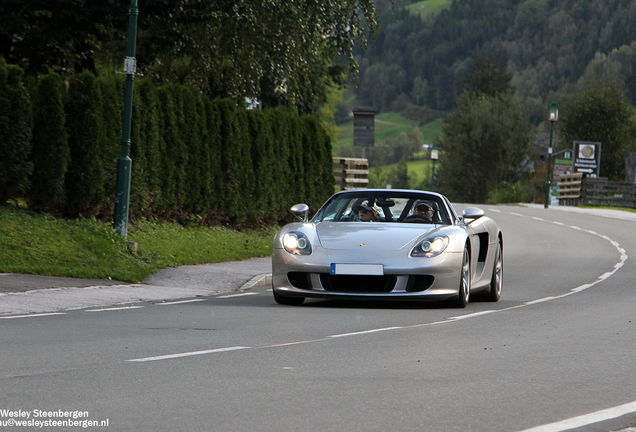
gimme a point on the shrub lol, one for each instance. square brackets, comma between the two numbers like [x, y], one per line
[85, 177]
[15, 130]
[510, 193]
[50, 147]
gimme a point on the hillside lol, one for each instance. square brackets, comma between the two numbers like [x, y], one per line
[413, 69]
[422, 50]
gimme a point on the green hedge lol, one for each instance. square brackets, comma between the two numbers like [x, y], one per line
[50, 152]
[15, 133]
[194, 159]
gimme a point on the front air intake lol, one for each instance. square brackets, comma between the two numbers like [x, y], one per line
[358, 283]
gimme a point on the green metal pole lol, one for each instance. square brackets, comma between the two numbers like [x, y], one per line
[548, 180]
[124, 163]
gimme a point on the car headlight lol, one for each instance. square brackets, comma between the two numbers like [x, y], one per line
[296, 243]
[430, 247]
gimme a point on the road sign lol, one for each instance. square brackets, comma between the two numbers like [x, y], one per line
[587, 158]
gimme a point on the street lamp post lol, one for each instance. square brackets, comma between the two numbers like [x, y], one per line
[554, 117]
[124, 163]
[434, 157]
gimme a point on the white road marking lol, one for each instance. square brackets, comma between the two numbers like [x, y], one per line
[617, 266]
[364, 332]
[237, 295]
[587, 419]
[187, 354]
[32, 315]
[180, 302]
[473, 315]
[541, 300]
[114, 309]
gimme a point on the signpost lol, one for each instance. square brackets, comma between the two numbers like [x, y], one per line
[587, 158]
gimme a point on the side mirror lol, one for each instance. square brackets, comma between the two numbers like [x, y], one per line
[301, 211]
[471, 214]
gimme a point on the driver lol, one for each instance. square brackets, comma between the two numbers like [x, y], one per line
[424, 210]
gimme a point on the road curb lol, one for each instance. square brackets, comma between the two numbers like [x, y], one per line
[257, 281]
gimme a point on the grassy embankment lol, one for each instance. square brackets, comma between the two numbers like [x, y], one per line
[41, 244]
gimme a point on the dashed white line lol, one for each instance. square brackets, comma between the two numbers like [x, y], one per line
[237, 295]
[114, 309]
[587, 419]
[187, 354]
[32, 315]
[473, 315]
[180, 302]
[364, 332]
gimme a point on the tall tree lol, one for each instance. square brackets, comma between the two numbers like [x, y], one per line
[484, 142]
[270, 49]
[63, 35]
[602, 114]
[488, 74]
[273, 49]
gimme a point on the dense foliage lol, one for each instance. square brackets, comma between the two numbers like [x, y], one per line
[15, 132]
[274, 50]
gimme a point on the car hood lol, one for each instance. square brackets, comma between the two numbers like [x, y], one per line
[370, 235]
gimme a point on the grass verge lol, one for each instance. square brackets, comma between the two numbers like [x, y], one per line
[41, 244]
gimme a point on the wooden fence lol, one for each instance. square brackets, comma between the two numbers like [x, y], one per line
[574, 189]
[351, 173]
[569, 192]
[601, 192]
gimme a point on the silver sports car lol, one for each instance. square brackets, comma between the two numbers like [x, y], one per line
[388, 244]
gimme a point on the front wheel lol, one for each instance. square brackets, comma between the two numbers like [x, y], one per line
[463, 295]
[289, 301]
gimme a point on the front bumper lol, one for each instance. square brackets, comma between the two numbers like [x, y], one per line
[404, 278]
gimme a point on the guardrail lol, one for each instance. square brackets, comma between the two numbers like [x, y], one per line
[351, 173]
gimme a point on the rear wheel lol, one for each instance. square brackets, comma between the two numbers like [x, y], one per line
[496, 281]
[464, 284]
[290, 301]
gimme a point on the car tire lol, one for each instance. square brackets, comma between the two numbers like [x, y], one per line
[496, 282]
[463, 295]
[289, 301]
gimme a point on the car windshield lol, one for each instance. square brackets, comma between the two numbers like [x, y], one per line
[385, 206]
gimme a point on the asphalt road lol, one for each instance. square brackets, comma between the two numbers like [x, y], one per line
[556, 353]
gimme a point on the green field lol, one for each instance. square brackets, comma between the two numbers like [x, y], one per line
[388, 126]
[419, 172]
[428, 7]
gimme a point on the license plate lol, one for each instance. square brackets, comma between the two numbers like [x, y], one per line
[357, 269]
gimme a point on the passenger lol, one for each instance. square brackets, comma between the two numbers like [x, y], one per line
[366, 213]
